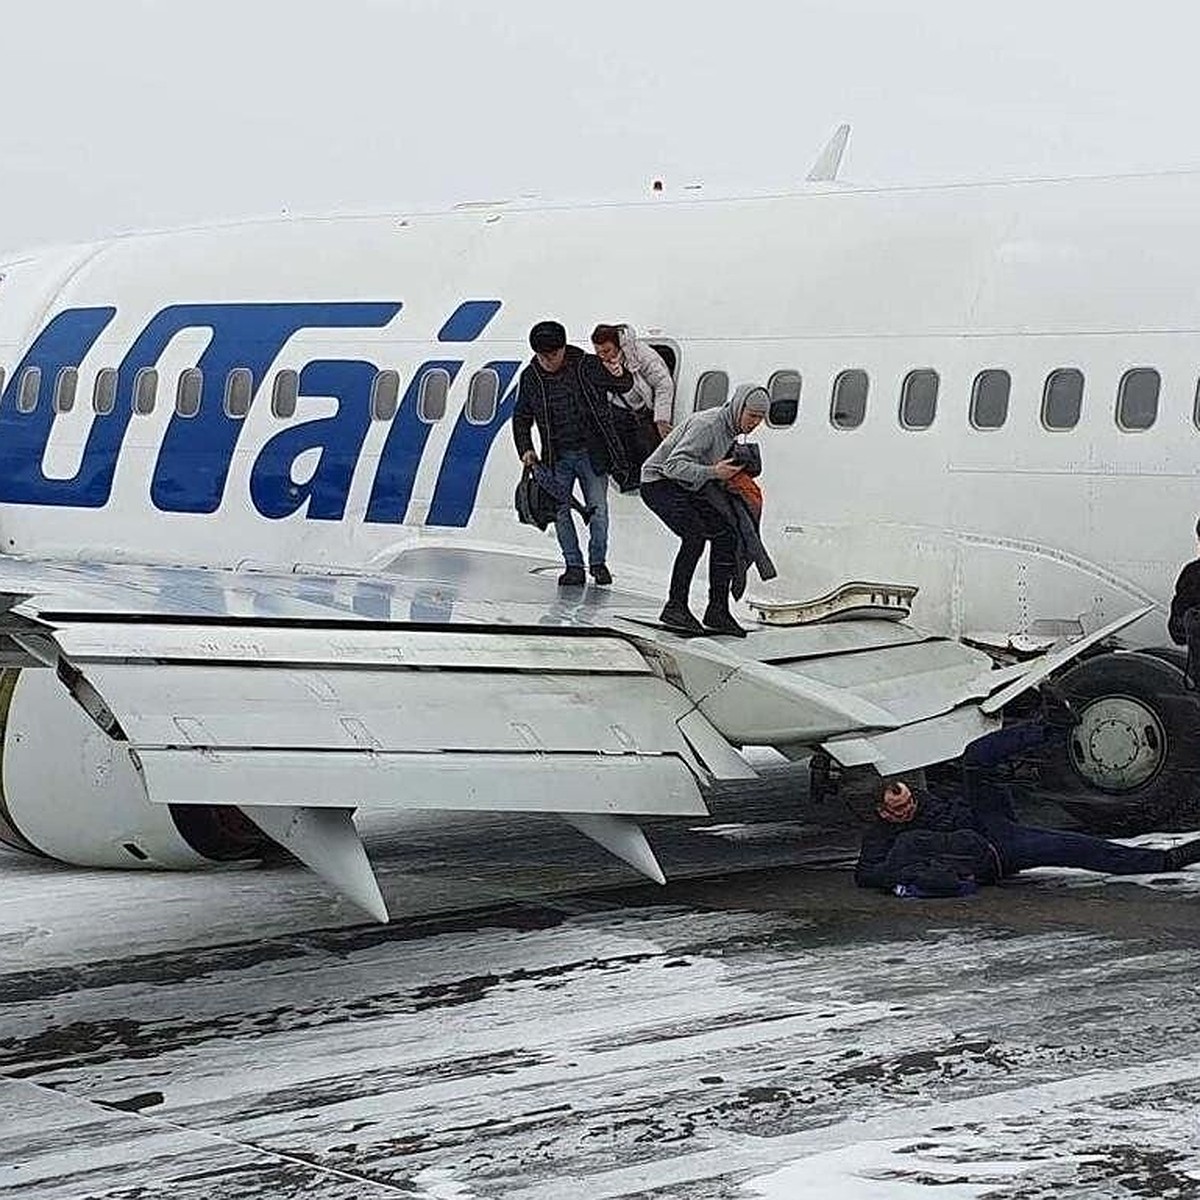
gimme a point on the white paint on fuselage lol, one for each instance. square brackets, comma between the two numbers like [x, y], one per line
[998, 528]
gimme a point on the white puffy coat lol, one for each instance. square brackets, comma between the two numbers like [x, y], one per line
[653, 387]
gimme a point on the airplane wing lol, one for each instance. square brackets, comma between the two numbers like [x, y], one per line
[459, 679]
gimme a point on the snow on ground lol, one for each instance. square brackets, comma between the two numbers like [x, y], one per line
[770, 1033]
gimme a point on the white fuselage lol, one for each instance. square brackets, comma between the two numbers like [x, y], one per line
[1000, 528]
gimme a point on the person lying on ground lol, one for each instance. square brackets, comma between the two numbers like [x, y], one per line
[920, 844]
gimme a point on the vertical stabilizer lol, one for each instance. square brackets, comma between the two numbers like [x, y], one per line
[829, 161]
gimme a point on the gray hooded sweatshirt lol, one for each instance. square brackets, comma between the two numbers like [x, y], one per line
[688, 453]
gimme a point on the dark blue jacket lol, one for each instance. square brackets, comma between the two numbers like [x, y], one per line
[951, 837]
[1185, 600]
[944, 843]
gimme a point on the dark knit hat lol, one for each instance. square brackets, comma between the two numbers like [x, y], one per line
[546, 337]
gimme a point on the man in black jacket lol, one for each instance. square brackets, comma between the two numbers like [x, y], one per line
[563, 391]
[925, 845]
[1185, 604]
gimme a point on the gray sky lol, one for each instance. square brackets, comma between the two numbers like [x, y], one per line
[126, 114]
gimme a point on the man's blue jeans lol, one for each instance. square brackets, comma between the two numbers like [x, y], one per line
[573, 465]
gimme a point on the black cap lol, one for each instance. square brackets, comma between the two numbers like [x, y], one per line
[547, 336]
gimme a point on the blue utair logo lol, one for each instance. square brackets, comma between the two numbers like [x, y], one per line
[194, 458]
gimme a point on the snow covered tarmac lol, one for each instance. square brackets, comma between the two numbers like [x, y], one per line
[770, 1033]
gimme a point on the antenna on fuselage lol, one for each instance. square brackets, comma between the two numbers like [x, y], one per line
[829, 161]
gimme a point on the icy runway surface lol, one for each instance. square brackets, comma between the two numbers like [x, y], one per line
[528, 1028]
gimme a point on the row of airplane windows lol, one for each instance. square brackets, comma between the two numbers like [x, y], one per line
[483, 394]
[1062, 395]
[1062, 398]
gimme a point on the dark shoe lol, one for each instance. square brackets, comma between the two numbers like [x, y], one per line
[1182, 855]
[679, 618]
[572, 577]
[602, 575]
[718, 620]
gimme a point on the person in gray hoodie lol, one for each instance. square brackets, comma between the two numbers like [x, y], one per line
[693, 453]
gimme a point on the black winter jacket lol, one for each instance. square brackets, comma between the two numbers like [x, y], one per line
[1186, 598]
[748, 548]
[591, 381]
[945, 836]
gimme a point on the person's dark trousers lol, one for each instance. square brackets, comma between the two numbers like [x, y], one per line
[1023, 846]
[991, 799]
[639, 438]
[694, 523]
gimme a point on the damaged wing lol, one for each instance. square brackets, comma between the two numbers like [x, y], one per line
[464, 680]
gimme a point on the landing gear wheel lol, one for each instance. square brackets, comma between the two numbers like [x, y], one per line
[1132, 764]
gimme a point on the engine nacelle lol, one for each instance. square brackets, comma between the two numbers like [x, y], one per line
[70, 792]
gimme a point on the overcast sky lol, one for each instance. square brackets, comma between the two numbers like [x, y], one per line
[126, 114]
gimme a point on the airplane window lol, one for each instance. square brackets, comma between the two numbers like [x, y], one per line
[187, 392]
[483, 397]
[31, 385]
[712, 390]
[104, 393]
[918, 399]
[784, 389]
[284, 394]
[1062, 399]
[65, 387]
[145, 391]
[431, 400]
[848, 407]
[385, 395]
[1137, 398]
[239, 391]
[989, 399]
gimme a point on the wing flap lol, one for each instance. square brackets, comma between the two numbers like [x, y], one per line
[416, 711]
[349, 717]
[626, 784]
[935, 740]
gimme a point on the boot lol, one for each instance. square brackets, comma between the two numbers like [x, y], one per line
[572, 577]
[1183, 855]
[679, 618]
[602, 575]
[717, 618]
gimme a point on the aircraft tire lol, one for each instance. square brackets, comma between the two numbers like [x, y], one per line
[1132, 764]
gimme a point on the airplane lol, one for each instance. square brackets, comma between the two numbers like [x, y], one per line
[260, 565]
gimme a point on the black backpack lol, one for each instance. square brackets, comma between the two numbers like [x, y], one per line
[539, 497]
